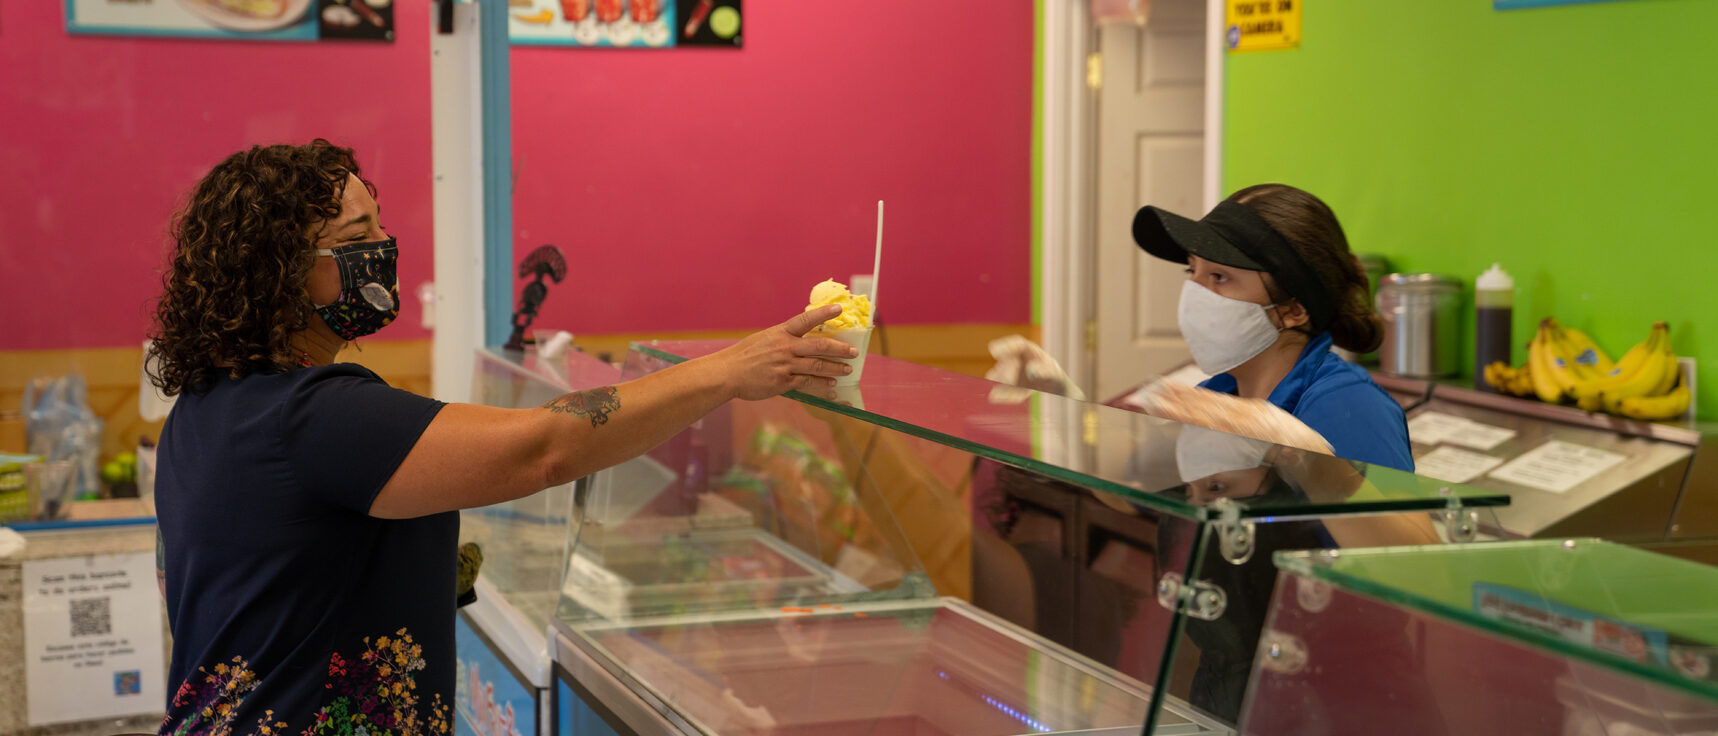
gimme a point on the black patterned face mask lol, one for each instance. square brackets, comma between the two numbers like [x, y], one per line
[369, 288]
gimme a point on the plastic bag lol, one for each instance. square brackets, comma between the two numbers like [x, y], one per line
[1254, 418]
[59, 426]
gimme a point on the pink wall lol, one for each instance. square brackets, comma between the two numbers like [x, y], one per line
[101, 137]
[709, 189]
[691, 189]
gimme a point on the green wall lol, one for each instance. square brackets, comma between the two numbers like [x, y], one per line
[1573, 144]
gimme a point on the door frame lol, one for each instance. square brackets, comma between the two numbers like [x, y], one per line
[1067, 117]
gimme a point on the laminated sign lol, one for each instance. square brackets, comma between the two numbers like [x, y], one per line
[92, 638]
[1262, 25]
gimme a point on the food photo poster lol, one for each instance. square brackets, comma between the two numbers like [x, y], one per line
[648, 24]
[262, 20]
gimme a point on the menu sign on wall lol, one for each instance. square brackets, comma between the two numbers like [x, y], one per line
[657, 24]
[92, 638]
[262, 20]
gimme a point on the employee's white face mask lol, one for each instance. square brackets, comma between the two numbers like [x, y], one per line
[1223, 332]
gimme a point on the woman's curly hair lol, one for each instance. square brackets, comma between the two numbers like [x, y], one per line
[235, 291]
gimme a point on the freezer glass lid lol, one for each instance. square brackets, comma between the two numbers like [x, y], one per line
[906, 668]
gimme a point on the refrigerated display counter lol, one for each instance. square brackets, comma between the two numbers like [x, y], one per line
[929, 554]
[1574, 636]
[504, 670]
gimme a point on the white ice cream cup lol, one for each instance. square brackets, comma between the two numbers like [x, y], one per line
[859, 337]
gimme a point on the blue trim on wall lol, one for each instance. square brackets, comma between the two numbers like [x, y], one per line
[497, 172]
[43, 526]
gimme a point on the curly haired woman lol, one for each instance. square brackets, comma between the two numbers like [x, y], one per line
[298, 497]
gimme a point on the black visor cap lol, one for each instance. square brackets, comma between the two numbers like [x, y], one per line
[1234, 235]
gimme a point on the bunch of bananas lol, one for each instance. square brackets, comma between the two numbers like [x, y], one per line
[1509, 379]
[1565, 365]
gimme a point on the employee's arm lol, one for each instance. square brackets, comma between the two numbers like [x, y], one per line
[477, 455]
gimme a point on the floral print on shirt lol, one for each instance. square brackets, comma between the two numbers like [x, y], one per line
[372, 694]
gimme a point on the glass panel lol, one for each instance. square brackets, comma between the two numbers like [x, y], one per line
[1213, 657]
[524, 540]
[1613, 606]
[1033, 431]
[759, 505]
[1337, 662]
[749, 572]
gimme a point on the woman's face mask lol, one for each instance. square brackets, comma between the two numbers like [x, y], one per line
[369, 288]
[1223, 333]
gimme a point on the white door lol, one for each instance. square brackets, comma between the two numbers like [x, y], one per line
[1150, 150]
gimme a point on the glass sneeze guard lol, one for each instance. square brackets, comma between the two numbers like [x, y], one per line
[978, 416]
[524, 540]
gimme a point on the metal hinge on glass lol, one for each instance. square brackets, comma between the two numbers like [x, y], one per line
[1201, 599]
[1285, 654]
[1462, 524]
[1235, 535]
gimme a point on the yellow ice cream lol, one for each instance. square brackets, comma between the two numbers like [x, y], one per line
[855, 308]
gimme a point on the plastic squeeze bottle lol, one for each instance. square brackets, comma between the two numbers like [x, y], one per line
[1494, 304]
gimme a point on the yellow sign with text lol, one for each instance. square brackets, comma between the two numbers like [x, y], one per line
[1262, 25]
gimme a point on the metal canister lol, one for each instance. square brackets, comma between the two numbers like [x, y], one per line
[1422, 325]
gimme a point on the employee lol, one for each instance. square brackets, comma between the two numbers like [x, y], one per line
[307, 509]
[1271, 287]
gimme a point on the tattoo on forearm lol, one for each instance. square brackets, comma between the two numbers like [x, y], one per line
[596, 403]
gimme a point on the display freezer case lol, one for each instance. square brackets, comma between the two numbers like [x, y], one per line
[931, 553]
[1533, 637]
[504, 659]
[1570, 473]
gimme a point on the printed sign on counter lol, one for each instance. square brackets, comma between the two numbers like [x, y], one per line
[1454, 465]
[1435, 428]
[1557, 466]
[92, 638]
[1262, 25]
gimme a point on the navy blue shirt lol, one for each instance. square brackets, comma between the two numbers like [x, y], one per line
[1339, 400]
[292, 609]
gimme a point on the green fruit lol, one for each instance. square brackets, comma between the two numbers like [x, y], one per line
[128, 458]
[114, 471]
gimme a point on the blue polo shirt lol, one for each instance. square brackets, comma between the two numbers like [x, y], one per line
[1339, 400]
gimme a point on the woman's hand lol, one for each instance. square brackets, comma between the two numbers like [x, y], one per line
[780, 359]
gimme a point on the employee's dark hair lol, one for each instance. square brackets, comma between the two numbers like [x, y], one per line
[1311, 227]
[234, 290]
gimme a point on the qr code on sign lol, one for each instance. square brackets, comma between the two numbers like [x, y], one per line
[91, 617]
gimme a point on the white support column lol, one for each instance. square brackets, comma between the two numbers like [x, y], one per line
[1216, 54]
[456, 133]
[1064, 228]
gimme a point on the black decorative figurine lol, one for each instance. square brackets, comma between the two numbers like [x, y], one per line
[544, 261]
